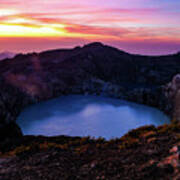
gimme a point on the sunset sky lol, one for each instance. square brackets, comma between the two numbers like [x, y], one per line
[136, 26]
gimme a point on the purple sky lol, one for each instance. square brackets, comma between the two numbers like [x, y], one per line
[136, 26]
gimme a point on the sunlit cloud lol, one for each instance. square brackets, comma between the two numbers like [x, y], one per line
[11, 30]
[20, 20]
[6, 12]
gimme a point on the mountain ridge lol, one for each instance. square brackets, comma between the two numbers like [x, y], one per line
[90, 45]
[6, 55]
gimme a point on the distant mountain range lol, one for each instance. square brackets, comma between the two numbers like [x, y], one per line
[6, 54]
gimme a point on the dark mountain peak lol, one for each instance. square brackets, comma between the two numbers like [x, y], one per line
[94, 45]
[98, 46]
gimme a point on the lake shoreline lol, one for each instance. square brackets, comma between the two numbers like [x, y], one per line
[138, 154]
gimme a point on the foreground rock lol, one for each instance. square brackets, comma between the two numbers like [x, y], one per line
[10, 131]
[145, 153]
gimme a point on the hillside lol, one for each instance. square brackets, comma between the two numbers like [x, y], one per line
[145, 153]
[92, 69]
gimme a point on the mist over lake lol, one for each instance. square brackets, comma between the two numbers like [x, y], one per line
[77, 115]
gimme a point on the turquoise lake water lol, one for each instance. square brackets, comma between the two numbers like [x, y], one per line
[77, 115]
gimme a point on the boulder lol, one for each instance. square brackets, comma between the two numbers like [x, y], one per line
[172, 92]
[11, 130]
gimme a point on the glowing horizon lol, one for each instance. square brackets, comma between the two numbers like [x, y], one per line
[41, 24]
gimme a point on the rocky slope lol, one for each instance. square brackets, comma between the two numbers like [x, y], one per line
[172, 92]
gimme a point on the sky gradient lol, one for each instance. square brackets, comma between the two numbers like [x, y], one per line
[136, 26]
